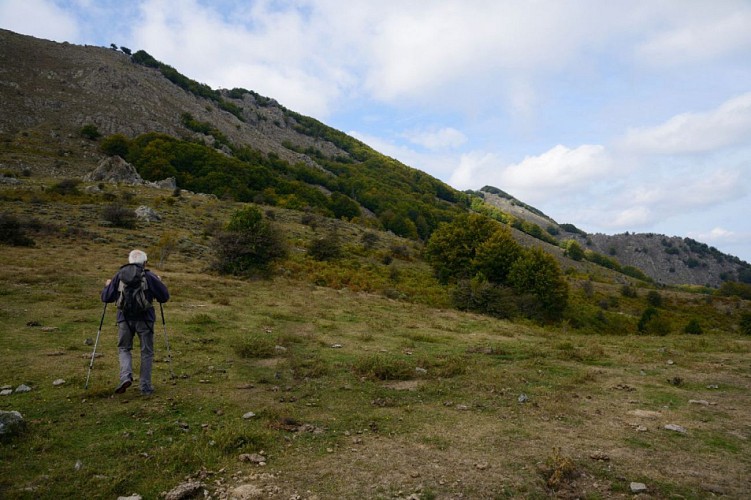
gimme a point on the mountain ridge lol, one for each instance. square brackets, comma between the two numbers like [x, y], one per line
[668, 260]
[50, 90]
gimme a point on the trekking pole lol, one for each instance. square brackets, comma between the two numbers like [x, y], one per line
[166, 341]
[93, 353]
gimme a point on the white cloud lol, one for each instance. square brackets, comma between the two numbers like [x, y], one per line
[436, 139]
[475, 170]
[560, 169]
[553, 174]
[704, 32]
[277, 53]
[39, 18]
[727, 125]
[644, 199]
[716, 235]
[439, 165]
[630, 217]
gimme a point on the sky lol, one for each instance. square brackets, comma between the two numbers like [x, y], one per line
[615, 116]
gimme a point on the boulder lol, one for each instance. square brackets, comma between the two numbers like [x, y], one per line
[116, 170]
[185, 490]
[11, 424]
[147, 213]
[168, 183]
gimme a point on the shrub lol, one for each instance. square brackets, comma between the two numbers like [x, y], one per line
[496, 255]
[453, 246]
[574, 250]
[653, 323]
[12, 232]
[654, 298]
[90, 131]
[693, 327]
[481, 296]
[115, 145]
[602, 260]
[588, 288]
[66, 187]
[400, 251]
[733, 288]
[165, 247]
[249, 243]
[119, 216]
[369, 240]
[537, 273]
[629, 291]
[635, 272]
[745, 323]
[328, 247]
[646, 316]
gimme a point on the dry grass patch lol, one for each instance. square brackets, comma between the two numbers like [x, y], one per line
[389, 398]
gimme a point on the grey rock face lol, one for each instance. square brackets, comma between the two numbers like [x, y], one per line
[12, 423]
[115, 170]
[147, 213]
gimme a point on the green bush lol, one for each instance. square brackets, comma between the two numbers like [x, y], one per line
[574, 250]
[481, 296]
[693, 327]
[653, 323]
[369, 240]
[115, 145]
[654, 298]
[66, 187]
[496, 255]
[12, 232]
[119, 216]
[328, 247]
[537, 273]
[249, 244]
[733, 288]
[635, 272]
[745, 323]
[452, 248]
[90, 131]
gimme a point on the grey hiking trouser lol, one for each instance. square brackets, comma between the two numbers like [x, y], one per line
[145, 331]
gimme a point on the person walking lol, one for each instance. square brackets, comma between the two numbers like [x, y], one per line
[134, 288]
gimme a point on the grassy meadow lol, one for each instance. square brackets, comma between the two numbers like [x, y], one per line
[361, 380]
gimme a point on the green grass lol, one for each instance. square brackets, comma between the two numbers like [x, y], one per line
[355, 394]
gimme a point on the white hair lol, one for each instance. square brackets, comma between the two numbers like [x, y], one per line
[137, 257]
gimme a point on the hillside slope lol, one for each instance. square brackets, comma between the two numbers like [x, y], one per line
[669, 260]
[49, 91]
[57, 88]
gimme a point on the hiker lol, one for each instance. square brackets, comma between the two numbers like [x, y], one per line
[134, 288]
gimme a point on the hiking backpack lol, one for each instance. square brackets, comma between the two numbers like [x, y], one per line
[131, 298]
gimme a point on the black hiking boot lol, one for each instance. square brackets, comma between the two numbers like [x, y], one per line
[123, 385]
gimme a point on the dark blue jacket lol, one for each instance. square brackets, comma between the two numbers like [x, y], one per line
[157, 290]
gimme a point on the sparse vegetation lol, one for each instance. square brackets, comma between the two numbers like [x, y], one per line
[386, 370]
[352, 377]
[119, 215]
